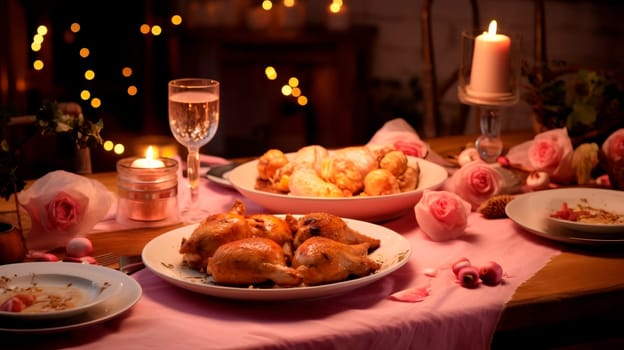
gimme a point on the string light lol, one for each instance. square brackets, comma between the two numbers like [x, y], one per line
[132, 90]
[176, 20]
[286, 90]
[108, 145]
[119, 148]
[38, 65]
[126, 72]
[85, 95]
[84, 52]
[96, 102]
[144, 29]
[89, 74]
[156, 30]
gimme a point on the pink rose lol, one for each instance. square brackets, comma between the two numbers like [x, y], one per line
[551, 152]
[415, 148]
[613, 147]
[399, 135]
[442, 215]
[64, 211]
[63, 205]
[613, 152]
[475, 182]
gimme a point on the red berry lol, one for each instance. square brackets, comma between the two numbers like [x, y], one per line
[468, 277]
[457, 265]
[491, 273]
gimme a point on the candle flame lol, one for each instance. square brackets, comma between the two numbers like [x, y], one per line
[149, 153]
[492, 28]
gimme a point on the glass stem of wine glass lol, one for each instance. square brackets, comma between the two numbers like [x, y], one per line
[192, 161]
[489, 144]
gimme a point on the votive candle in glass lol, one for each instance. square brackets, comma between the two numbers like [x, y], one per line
[147, 192]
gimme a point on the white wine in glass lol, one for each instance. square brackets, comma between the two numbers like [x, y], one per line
[193, 120]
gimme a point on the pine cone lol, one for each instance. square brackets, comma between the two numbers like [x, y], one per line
[494, 208]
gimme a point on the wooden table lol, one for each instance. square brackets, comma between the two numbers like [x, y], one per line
[577, 297]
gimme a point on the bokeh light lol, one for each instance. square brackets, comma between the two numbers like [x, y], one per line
[108, 145]
[132, 90]
[96, 102]
[119, 148]
[176, 20]
[84, 52]
[38, 65]
[85, 95]
[89, 74]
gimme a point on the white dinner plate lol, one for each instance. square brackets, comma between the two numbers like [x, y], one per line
[59, 293]
[161, 256]
[532, 211]
[127, 293]
[369, 208]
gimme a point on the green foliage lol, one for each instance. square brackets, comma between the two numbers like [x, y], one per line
[582, 100]
[52, 118]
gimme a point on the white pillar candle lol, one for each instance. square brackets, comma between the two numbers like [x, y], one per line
[490, 64]
[148, 162]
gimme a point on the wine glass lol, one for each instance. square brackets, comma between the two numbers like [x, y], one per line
[193, 120]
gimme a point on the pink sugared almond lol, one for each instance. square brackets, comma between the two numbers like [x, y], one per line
[459, 264]
[468, 277]
[79, 247]
[491, 273]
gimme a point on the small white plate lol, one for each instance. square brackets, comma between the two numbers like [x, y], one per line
[369, 208]
[58, 293]
[219, 174]
[128, 293]
[161, 255]
[532, 212]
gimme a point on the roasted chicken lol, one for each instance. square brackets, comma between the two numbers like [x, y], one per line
[332, 227]
[251, 261]
[321, 260]
[240, 249]
[218, 229]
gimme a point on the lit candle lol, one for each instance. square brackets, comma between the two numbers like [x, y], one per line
[148, 162]
[490, 64]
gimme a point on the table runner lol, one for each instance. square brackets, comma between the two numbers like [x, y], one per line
[451, 317]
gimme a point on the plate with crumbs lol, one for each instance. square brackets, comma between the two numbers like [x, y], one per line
[532, 211]
[54, 290]
[588, 210]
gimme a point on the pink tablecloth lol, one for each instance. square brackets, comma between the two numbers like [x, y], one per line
[451, 317]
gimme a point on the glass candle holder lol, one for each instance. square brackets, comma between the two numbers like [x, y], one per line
[147, 194]
[489, 73]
